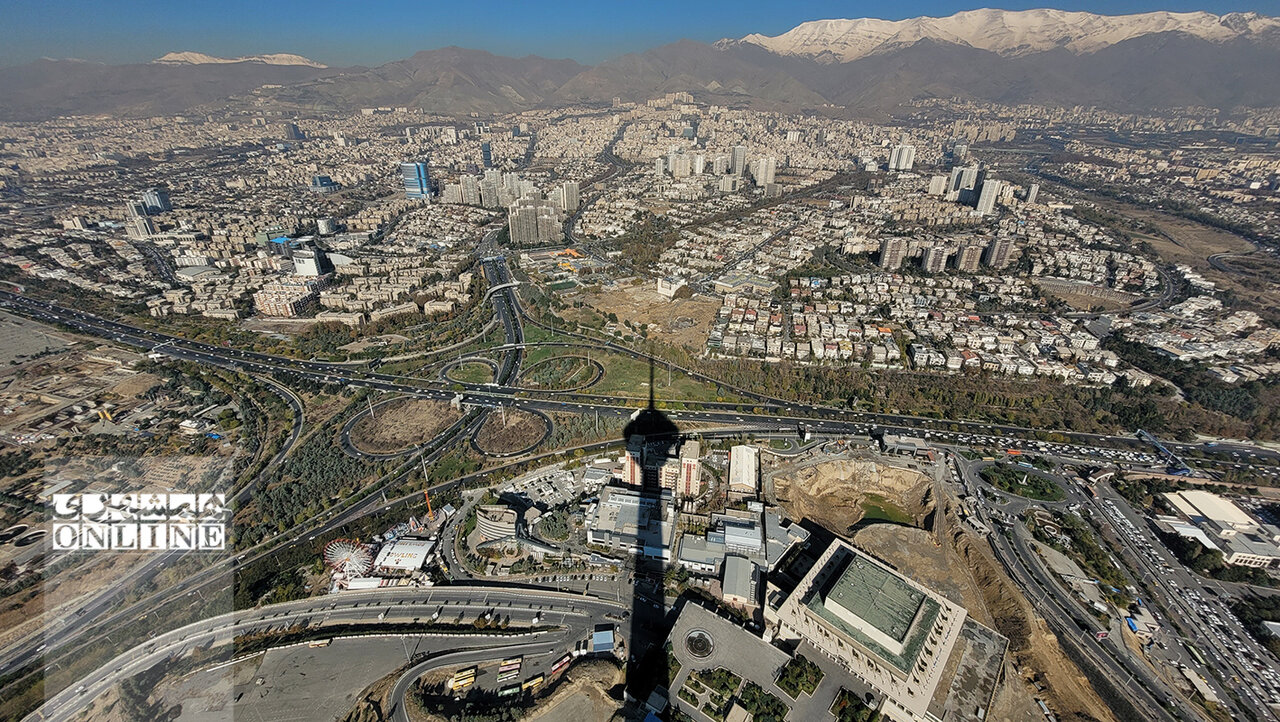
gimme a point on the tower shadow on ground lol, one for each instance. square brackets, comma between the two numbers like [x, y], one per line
[651, 436]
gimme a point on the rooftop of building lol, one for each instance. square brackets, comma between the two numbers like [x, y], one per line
[865, 600]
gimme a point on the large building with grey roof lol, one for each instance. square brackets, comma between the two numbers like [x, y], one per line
[884, 628]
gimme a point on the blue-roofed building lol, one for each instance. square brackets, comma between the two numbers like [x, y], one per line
[416, 179]
[602, 639]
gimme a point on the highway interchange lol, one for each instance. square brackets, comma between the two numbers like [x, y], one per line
[766, 416]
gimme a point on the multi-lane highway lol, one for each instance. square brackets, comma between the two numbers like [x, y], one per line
[1170, 585]
[775, 415]
[571, 617]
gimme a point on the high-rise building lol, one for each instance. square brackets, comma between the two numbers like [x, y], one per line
[968, 257]
[699, 164]
[986, 204]
[690, 470]
[960, 151]
[681, 165]
[156, 200]
[934, 259]
[291, 132]
[533, 221]
[633, 461]
[966, 178]
[720, 165]
[140, 228]
[326, 226]
[739, 160]
[937, 185]
[308, 262]
[764, 169]
[1033, 192]
[416, 178]
[902, 157]
[999, 252]
[486, 154]
[569, 196]
[892, 250]
[490, 196]
[470, 190]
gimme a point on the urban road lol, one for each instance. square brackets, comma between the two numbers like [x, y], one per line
[562, 619]
[780, 416]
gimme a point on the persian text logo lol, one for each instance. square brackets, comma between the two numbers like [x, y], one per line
[139, 522]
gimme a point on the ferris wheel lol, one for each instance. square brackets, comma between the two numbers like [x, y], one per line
[349, 557]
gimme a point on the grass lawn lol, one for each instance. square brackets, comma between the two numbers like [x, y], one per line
[471, 373]
[1021, 481]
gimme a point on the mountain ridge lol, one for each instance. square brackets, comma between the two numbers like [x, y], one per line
[190, 57]
[1004, 32]
[1150, 70]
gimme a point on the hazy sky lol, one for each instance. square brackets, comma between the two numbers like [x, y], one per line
[371, 32]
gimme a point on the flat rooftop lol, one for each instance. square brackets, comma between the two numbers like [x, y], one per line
[877, 609]
[877, 597]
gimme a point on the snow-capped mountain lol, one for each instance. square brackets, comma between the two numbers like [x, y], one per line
[1009, 33]
[193, 58]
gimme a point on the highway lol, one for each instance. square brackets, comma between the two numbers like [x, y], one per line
[573, 615]
[1147, 560]
[779, 416]
[506, 394]
[1073, 626]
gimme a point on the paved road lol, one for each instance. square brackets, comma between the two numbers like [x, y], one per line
[1073, 626]
[574, 616]
[1167, 580]
[493, 396]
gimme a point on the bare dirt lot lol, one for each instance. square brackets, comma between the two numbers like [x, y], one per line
[839, 493]
[135, 386]
[582, 694]
[402, 424]
[519, 430]
[1192, 243]
[684, 322]
[1034, 653]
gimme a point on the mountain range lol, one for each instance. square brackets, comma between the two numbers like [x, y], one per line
[867, 66]
[192, 58]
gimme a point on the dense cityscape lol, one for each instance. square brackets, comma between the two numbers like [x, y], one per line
[679, 405]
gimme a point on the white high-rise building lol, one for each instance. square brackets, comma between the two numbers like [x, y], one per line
[902, 157]
[937, 185]
[569, 196]
[739, 162]
[533, 221]
[699, 164]
[763, 170]
[987, 197]
[470, 190]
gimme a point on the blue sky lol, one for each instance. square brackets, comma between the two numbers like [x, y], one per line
[371, 32]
